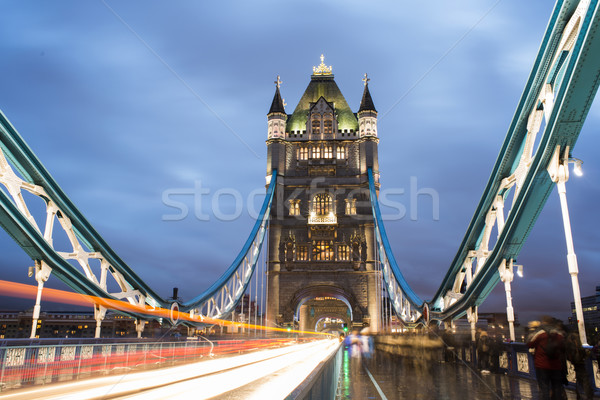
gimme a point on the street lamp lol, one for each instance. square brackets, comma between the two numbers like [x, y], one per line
[558, 169]
[577, 166]
[519, 270]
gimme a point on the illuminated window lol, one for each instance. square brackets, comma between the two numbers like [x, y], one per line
[343, 252]
[289, 251]
[322, 204]
[303, 153]
[322, 251]
[327, 126]
[302, 253]
[294, 207]
[316, 126]
[350, 206]
[327, 151]
[316, 151]
[341, 152]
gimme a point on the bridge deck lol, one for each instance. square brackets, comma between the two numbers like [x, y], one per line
[403, 378]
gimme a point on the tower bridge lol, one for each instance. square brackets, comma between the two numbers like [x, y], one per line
[327, 252]
[321, 232]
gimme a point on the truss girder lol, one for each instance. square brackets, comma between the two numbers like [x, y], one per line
[557, 97]
[223, 296]
[21, 171]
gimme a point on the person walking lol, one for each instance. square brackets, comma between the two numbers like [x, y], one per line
[483, 352]
[549, 344]
[577, 355]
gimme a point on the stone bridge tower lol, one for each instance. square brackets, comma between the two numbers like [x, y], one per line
[321, 261]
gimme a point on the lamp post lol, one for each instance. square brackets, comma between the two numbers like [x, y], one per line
[506, 275]
[559, 173]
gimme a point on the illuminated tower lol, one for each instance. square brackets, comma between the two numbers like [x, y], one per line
[321, 266]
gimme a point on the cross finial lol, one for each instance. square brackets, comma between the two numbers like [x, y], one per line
[278, 82]
[366, 79]
[322, 69]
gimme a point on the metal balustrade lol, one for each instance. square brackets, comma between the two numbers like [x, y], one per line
[514, 359]
[39, 365]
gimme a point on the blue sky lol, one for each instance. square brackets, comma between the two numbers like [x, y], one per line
[123, 101]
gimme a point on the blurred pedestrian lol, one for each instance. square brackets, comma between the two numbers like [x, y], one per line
[483, 352]
[548, 342]
[449, 345]
[496, 348]
[354, 343]
[577, 355]
[366, 343]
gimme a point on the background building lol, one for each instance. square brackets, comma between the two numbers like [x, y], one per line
[591, 316]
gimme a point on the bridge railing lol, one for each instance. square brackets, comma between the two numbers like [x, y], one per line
[514, 359]
[43, 364]
[322, 383]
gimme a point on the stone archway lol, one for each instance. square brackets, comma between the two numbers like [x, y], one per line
[315, 302]
[331, 326]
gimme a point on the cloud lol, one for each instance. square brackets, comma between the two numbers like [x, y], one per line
[116, 127]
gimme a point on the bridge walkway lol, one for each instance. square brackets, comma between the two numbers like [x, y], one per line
[393, 377]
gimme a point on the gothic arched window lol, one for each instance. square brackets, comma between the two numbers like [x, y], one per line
[322, 204]
[322, 251]
[328, 123]
[316, 126]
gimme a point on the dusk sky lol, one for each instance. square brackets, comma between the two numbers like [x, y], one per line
[124, 102]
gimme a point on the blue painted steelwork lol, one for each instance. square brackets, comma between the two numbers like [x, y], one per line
[397, 288]
[575, 87]
[234, 278]
[21, 226]
[17, 225]
[561, 87]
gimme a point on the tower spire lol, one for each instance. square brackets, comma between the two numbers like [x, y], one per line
[366, 103]
[277, 106]
[276, 116]
[367, 114]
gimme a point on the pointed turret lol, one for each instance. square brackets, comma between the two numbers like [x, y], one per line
[367, 128]
[367, 115]
[277, 104]
[277, 115]
[366, 104]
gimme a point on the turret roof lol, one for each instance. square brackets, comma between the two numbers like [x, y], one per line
[277, 104]
[366, 104]
[322, 85]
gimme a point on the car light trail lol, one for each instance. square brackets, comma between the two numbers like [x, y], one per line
[14, 289]
[200, 380]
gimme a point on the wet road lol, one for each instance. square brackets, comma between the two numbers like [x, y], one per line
[395, 378]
